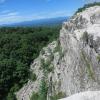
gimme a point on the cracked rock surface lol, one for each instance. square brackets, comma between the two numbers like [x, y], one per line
[76, 63]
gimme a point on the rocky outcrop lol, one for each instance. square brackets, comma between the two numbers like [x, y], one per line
[50, 58]
[80, 40]
[89, 95]
[73, 60]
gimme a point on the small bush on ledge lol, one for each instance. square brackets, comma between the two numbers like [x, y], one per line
[58, 96]
[33, 76]
[87, 6]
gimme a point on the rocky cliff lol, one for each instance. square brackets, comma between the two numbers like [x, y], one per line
[72, 63]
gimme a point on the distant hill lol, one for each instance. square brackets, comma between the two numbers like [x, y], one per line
[41, 22]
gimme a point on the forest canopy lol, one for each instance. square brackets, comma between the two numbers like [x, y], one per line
[19, 46]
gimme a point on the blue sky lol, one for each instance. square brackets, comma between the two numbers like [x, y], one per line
[12, 11]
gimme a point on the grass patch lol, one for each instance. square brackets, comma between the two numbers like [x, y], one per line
[98, 58]
[33, 76]
[47, 65]
[88, 66]
[35, 96]
[58, 48]
[58, 96]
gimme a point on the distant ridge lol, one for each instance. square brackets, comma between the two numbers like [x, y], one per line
[39, 22]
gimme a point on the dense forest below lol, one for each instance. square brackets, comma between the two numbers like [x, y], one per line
[19, 46]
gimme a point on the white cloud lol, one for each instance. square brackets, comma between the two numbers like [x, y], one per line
[8, 17]
[7, 13]
[12, 14]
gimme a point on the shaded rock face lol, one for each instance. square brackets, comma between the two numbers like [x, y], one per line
[75, 58]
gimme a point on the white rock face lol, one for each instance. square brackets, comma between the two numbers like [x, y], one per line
[92, 18]
[76, 65]
[80, 39]
[88, 95]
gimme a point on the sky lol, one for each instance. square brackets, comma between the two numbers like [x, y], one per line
[13, 11]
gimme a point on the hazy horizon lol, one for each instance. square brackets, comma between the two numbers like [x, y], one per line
[14, 11]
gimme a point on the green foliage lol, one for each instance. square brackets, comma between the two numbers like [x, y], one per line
[19, 46]
[43, 89]
[43, 85]
[58, 96]
[42, 52]
[35, 96]
[33, 76]
[51, 57]
[57, 48]
[42, 94]
[88, 66]
[11, 95]
[87, 6]
[50, 68]
[47, 66]
[98, 58]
